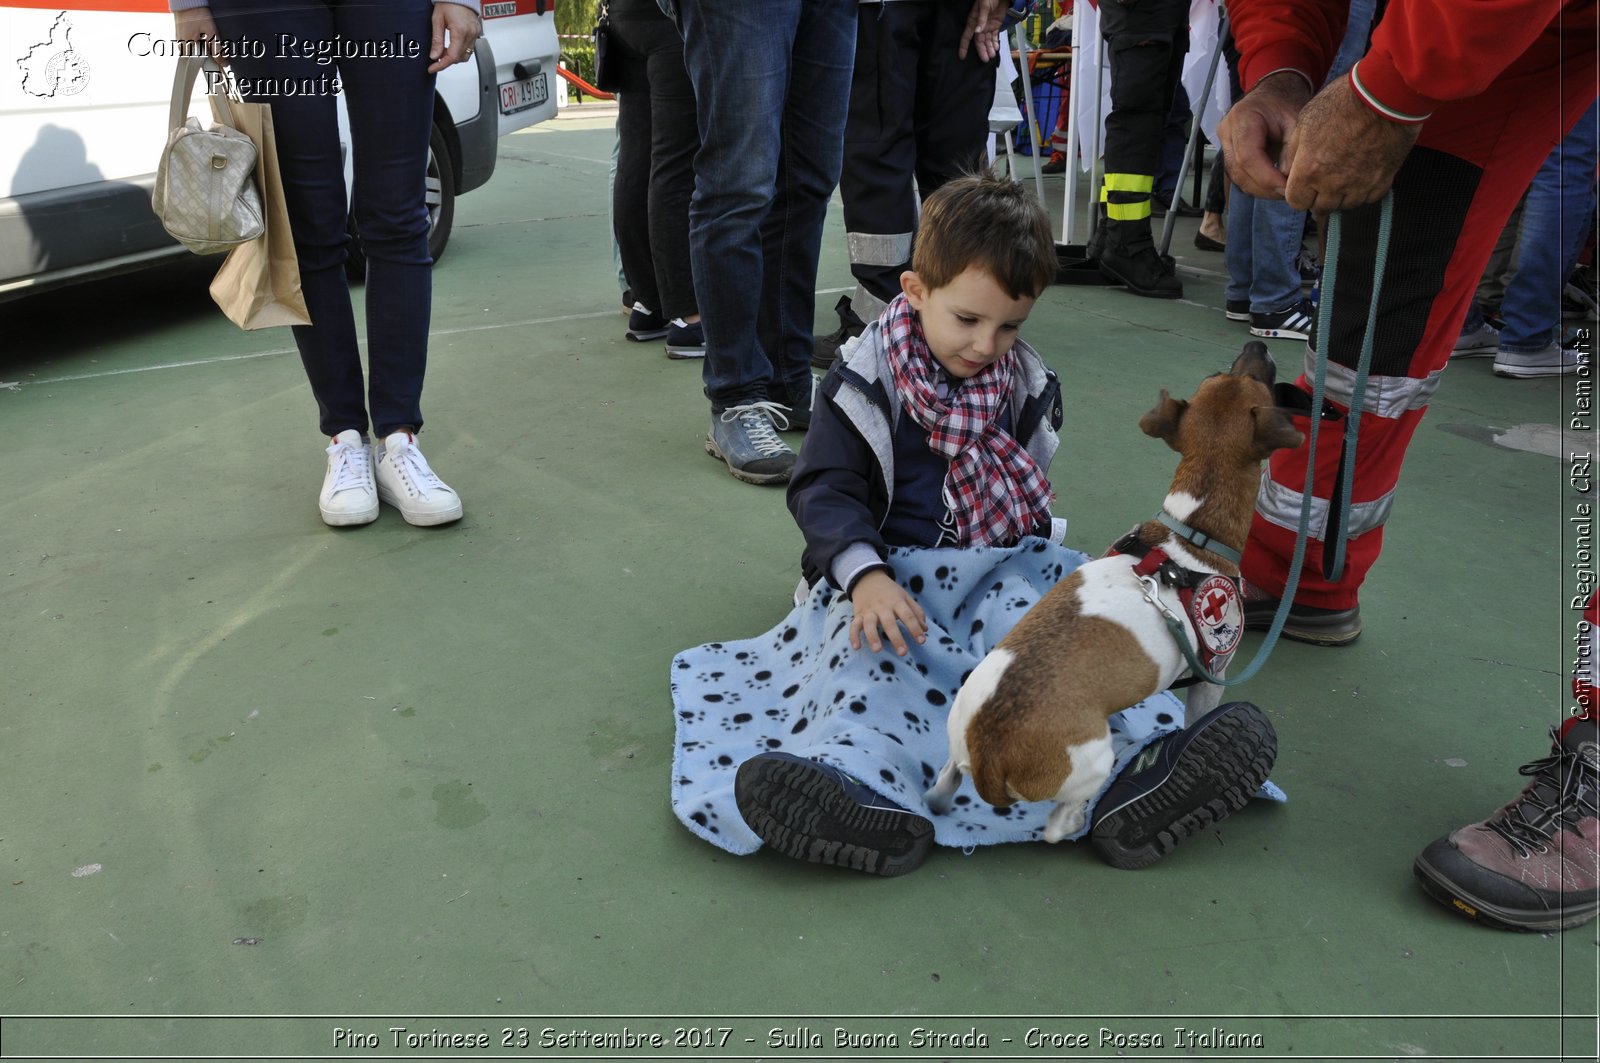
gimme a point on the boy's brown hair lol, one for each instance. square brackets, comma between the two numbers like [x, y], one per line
[990, 223]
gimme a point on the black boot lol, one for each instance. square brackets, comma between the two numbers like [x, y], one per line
[825, 349]
[1127, 254]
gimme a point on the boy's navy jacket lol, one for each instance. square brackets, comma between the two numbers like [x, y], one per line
[866, 474]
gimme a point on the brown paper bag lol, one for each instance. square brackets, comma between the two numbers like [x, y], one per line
[258, 285]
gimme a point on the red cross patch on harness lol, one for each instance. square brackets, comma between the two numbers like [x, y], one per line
[1217, 615]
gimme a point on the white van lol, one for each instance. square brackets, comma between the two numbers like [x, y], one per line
[84, 93]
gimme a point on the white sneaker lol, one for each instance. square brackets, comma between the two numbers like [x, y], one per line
[349, 495]
[407, 483]
[1558, 359]
[1481, 342]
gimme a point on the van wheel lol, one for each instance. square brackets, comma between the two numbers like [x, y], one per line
[441, 202]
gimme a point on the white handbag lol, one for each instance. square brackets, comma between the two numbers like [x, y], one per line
[205, 192]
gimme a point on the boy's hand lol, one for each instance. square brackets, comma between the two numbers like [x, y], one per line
[882, 604]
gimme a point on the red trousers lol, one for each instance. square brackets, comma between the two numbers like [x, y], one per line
[1474, 160]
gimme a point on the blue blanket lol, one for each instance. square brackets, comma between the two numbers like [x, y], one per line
[802, 689]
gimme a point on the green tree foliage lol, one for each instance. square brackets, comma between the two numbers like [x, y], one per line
[575, 17]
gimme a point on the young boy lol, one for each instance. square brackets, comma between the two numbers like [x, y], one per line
[922, 496]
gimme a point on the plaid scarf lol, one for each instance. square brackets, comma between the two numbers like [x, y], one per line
[995, 491]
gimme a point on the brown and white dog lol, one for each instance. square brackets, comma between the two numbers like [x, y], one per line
[1029, 723]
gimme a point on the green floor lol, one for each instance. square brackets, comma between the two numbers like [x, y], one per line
[252, 766]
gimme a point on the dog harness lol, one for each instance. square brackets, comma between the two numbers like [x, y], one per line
[1210, 601]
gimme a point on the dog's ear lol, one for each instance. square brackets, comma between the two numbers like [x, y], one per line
[1162, 421]
[1274, 430]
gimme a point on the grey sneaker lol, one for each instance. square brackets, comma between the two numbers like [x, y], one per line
[1481, 342]
[1535, 864]
[746, 437]
[1558, 359]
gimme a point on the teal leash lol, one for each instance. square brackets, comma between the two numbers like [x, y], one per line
[1353, 418]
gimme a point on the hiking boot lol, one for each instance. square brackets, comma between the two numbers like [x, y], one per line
[1533, 865]
[1182, 784]
[746, 437]
[1056, 163]
[1305, 623]
[816, 813]
[1237, 310]
[406, 482]
[1293, 322]
[349, 495]
[645, 324]
[825, 349]
[1128, 256]
[685, 340]
[1558, 359]
[1481, 342]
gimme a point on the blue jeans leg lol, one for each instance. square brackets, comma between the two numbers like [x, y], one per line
[1555, 220]
[390, 105]
[772, 84]
[1260, 259]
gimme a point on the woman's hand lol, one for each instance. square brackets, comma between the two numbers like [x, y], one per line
[196, 24]
[882, 604]
[464, 27]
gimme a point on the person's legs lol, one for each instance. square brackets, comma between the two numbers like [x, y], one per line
[1239, 254]
[809, 163]
[390, 102]
[1450, 199]
[880, 151]
[953, 99]
[630, 190]
[675, 136]
[309, 158]
[1555, 221]
[1145, 45]
[738, 57]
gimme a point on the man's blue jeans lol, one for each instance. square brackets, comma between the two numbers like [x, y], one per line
[390, 104]
[1263, 241]
[1262, 268]
[772, 87]
[1560, 203]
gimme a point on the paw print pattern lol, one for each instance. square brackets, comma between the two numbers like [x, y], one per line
[916, 724]
[884, 672]
[707, 817]
[759, 680]
[736, 721]
[946, 578]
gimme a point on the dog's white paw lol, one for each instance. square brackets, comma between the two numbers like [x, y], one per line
[1065, 820]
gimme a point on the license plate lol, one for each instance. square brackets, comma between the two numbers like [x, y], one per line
[520, 95]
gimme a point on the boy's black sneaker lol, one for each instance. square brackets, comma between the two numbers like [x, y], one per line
[815, 812]
[825, 349]
[1237, 310]
[645, 324]
[1183, 783]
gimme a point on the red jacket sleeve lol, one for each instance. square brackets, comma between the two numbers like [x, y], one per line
[1298, 35]
[1423, 52]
